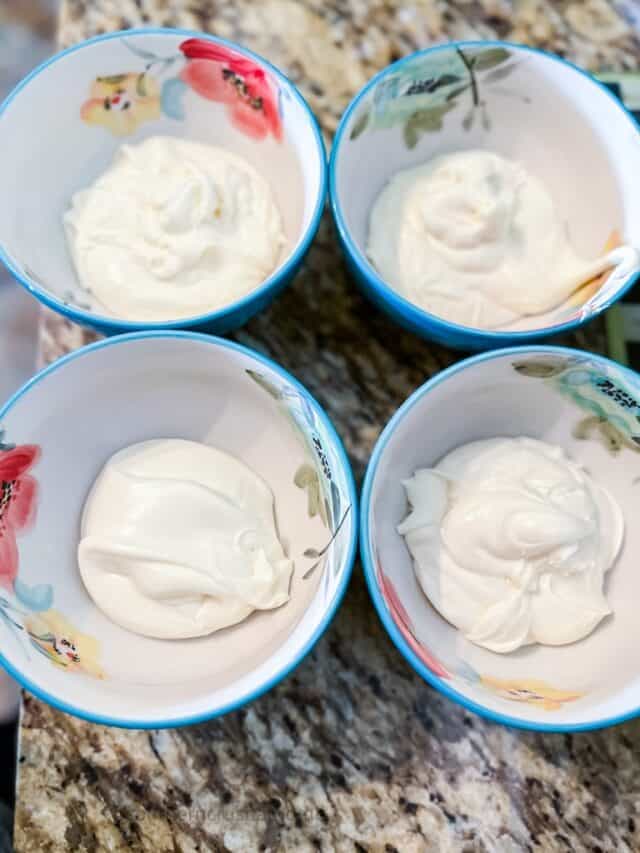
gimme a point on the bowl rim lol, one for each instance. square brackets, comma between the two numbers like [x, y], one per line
[411, 313]
[268, 287]
[289, 666]
[369, 564]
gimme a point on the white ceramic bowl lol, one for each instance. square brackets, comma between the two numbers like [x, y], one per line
[61, 126]
[565, 127]
[584, 403]
[65, 423]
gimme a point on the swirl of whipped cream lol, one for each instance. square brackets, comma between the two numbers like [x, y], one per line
[511, 541]
[173, 229]
[474, 238]
[179, 539]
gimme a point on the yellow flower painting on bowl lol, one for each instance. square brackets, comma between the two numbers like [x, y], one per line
[531, 692]
[122, 102]
[55, 637]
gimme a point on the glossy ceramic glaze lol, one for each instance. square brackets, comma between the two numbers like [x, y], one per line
[58, 433]
[589, 406]
[522, 103]
[125, 87]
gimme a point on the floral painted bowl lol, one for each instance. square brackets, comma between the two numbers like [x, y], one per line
[522, 103]
[57, 433]
[584, 403]
[61, 126]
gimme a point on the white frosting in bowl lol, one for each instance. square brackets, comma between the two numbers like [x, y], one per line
[475, 239]
[173, 229]
[179, 539]
[511, 541]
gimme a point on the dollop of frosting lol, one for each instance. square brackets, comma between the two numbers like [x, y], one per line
[173, 229]
[511, 541]
[179, 539]
[473, 238]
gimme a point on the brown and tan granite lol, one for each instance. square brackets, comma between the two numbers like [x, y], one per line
[352, 752]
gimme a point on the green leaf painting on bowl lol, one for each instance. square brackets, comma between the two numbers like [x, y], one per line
[425, 89]
[314, 476]
[611, 406]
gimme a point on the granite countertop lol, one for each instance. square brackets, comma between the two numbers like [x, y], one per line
[353, 752]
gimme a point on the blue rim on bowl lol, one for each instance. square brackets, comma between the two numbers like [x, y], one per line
[34, 688]
[242, 308]
[385, 297]
[368, 562]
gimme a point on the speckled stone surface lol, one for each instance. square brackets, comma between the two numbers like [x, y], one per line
[352, 752]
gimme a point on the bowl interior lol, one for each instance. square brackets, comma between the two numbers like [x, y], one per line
[169, 386]
[521, 103]
[545, 393]
[72, 97]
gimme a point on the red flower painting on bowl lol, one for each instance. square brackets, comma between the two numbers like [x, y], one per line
[220, 74]
[18, 492]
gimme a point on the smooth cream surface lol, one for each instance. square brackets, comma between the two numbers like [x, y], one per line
[173, 229]
[179, 540]
[475, 239]
[511, 541]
